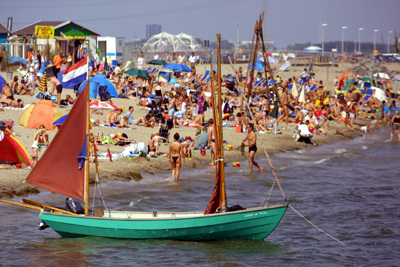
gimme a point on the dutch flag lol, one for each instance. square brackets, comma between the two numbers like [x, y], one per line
[74, 74]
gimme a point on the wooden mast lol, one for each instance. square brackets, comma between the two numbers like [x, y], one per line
[86, 181]
[219, 124]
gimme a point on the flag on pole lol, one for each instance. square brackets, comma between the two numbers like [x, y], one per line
[74, 74]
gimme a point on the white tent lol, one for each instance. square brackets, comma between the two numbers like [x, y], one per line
[168, 42]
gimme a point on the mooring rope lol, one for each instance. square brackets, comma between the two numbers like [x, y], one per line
[316, 226]
[266, 199]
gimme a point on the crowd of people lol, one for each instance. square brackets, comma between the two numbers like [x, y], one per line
[185, 104]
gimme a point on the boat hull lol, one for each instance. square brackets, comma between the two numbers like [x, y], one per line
[252, 223]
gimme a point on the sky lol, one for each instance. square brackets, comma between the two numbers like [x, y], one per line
[290, 21]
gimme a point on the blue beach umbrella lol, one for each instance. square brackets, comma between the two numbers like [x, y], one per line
[177, 67]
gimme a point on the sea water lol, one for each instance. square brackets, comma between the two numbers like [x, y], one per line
[350, 189]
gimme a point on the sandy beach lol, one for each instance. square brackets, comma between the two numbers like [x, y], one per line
[125, 169]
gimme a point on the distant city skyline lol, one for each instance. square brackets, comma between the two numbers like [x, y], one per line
[153, 29]
[290, 21]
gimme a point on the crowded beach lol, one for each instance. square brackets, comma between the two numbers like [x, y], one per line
[143, 121]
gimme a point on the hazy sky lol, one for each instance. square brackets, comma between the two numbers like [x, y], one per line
[291, 21]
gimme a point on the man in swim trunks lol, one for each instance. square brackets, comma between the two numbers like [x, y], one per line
[9, 96]
[251, 139]
[299, 116]
[112, 118]
[174, 155]
[56, 85]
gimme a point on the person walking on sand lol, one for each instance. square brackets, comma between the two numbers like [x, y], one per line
[174, 156]
[56, 85]
[251, 139]
[285, 108]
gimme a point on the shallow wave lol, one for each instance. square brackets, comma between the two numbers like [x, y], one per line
[322, 160]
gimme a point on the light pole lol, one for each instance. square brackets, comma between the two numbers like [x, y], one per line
[237, 39]
[359, 39]
[389, 41]
[344, 27]
[375, 39]
[323, 25]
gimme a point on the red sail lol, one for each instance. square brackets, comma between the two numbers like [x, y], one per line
[57, 170]
[216, 199]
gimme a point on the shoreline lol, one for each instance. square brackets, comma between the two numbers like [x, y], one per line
[127, 170]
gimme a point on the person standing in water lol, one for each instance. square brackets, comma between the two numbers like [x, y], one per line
[174, 156]
[395, 125]
[252, 139]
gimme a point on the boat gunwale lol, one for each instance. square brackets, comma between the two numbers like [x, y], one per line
[252, 209]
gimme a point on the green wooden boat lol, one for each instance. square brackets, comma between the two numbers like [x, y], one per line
[60, 170]
[252, 223]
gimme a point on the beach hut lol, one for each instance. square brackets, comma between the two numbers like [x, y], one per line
[41, 113]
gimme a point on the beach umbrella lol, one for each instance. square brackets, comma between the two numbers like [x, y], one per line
[60, 120]
[12, 151]
[103, 105]
[137, 73]
[379, 94]
[158, 62]
[177, 67]
[344, 74]
[41, 113]
[302, 98]
[295, 93]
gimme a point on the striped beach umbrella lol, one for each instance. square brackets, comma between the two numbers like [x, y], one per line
[43, 84]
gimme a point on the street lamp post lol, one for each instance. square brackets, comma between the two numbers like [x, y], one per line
[375, 31]
[343, 28]
[323, 25]
[237, 40]
[389, 41]
[359, 39]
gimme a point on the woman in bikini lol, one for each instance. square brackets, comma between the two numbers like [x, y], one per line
[396, 125]
[174, 155]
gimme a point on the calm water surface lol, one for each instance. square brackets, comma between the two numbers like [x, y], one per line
[349, 189]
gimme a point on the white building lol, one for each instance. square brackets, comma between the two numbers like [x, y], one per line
[111, 47]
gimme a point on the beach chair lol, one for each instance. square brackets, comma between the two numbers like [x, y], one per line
[147, 70]
[126, 66]
[206, 74]
[228, 77]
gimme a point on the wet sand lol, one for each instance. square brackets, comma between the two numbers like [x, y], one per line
[133, 169]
